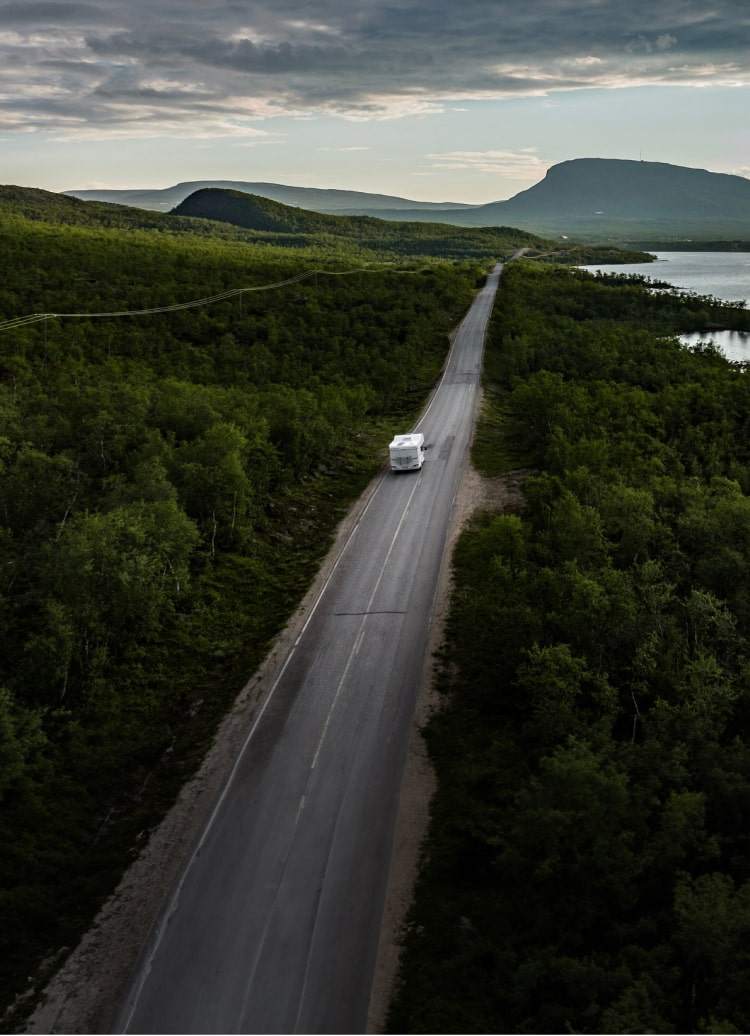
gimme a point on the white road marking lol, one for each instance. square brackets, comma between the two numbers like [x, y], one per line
[352, 654]
[361, 631]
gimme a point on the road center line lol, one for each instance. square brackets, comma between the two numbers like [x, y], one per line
[352, 654]
[361, 631]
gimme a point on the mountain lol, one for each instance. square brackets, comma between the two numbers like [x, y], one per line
[591, 191]
[589, 198]
[256, 212]
[232, 216]
[252, 212]
[313, 198]
[604, 197]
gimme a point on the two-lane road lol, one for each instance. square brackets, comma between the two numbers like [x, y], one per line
[275, 923]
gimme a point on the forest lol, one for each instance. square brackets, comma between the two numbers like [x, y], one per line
[168, 485]
[587, 867]
[403, 238]
[244, 218]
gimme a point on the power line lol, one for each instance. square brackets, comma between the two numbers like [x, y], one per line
[34, 318]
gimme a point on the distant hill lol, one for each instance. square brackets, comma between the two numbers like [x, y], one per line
[255, 212]
[617, 198]
[589, 191]
[62, 210]
[234, 216]
[589, 198]
[262, 214]
[313, 198]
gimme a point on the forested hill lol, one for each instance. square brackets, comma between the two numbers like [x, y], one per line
[258, 213]
[59, 210]
[268, 222]
[255, 213]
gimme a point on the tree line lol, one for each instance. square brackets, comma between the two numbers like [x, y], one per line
[588, 864]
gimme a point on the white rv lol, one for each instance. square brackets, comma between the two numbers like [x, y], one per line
[407, 452]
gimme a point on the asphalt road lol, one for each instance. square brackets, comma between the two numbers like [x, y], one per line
[274, 926]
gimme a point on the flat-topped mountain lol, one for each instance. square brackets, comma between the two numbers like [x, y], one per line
[617, 197]
[621, 189]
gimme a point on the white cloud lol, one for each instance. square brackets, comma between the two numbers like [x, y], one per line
[585, 61]
[523, 165]
[321, 28]
[666, 41]
[146, 124]
[246, 34]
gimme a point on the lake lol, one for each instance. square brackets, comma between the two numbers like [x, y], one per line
[734, 344]
[723, 274]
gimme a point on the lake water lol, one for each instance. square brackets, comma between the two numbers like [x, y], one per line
[723, 274]
[734, 344]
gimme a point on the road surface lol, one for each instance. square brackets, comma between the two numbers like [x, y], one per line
[274, 926]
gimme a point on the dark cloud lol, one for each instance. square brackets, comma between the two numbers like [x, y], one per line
[104, 66]
[50, 13]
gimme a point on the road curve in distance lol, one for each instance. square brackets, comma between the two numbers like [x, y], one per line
[274, 925]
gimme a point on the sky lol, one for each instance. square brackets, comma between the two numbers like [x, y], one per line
[430, 99]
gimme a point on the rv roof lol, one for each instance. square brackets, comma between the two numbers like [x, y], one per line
[413, 439]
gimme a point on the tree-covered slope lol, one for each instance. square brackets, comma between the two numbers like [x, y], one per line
[30, 203]
[262, 214]
[588, 864]
[233, 216]
[166, 493]
[257, 213]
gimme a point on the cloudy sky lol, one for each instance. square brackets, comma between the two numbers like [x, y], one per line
[433, 99]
